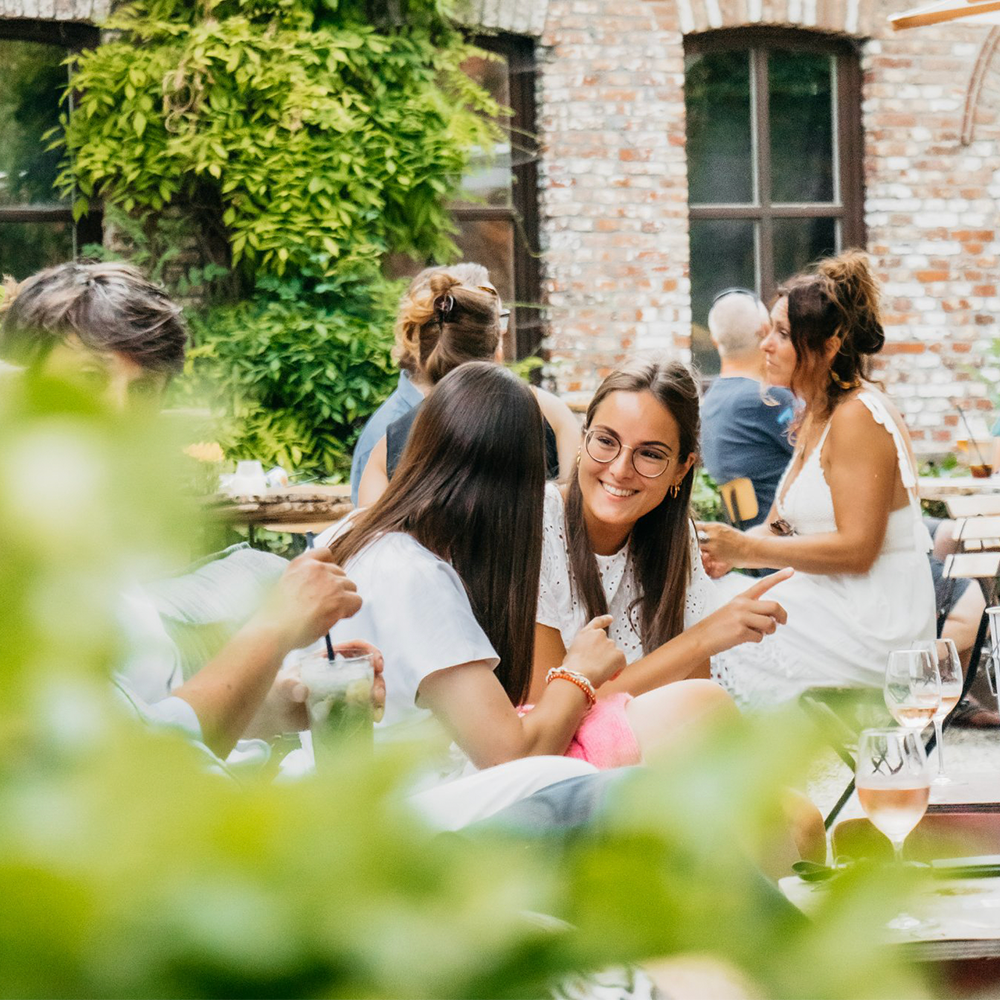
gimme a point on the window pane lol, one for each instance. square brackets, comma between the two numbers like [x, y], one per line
[722, 256]
[26, 247]
[801, 110]
[488, 179]
[719, 145]
[491, 243]
[799, 242]
[30, 86]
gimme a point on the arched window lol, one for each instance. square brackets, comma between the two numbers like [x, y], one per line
[775, 160]
[36, 226]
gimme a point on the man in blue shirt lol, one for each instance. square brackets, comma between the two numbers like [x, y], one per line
[742, 435]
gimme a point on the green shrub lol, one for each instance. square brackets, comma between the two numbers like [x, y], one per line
[300, 139]
[293, 374]
[286, 129]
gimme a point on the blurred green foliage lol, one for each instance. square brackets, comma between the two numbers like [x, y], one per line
[126, 871]
[706, 502]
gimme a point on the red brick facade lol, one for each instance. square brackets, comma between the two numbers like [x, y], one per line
[614, 188]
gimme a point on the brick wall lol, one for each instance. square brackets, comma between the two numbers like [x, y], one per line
[613, 180]
[55, 10]
[614, 188]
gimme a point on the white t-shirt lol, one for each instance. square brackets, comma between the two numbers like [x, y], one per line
[560, 608]
[416, 611]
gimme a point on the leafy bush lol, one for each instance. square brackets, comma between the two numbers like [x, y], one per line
[294, 374]
[706, 503]
[295, 138]
[285, 128]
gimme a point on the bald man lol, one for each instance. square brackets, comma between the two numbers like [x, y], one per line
[742, 435]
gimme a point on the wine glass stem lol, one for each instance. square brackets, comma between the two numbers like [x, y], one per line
[897, 849]
[939, 733]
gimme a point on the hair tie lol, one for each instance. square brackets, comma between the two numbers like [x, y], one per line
[443, 306]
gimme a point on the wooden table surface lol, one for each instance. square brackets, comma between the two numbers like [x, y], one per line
[285, 508]
[935, 488]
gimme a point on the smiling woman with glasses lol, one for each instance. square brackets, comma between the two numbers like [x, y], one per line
[618, 540]
[650, 460]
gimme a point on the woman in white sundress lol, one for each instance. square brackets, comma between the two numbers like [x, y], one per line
[846, 515]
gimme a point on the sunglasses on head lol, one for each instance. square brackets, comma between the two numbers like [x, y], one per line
[735, 291]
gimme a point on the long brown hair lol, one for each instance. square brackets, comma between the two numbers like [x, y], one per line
[660, 545]
[470, 487]
[840, 299]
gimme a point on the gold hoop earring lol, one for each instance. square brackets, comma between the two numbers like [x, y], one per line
[674, 491]
[578, 458]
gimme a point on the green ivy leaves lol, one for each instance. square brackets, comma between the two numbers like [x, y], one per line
[316, 132]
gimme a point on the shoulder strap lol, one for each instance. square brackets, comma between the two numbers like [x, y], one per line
[882, 416]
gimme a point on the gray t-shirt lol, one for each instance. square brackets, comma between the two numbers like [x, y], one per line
[741, 435]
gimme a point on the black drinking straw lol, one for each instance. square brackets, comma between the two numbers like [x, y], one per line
[310, 539]
[982, 461]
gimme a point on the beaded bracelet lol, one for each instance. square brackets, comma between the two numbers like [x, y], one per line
[583, 683]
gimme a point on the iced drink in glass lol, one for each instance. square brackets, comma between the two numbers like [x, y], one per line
[339, 701]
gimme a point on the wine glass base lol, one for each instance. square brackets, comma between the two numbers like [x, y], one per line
[943, 779]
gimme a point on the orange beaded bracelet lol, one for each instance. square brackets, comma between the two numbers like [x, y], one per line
[583, 683]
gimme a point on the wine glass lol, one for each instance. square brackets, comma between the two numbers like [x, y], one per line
[950, 672]
[912, 687]
[893, 782]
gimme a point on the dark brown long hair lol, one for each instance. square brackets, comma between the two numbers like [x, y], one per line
[840, 299]
[660, 545]
[470, 487]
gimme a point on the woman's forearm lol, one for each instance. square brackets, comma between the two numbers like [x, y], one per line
[546, 730]
[830, 552]
[682, 656]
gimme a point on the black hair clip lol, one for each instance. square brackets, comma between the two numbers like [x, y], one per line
[443, 305]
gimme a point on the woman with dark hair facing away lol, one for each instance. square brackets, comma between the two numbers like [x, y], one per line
[619, 540]
[444, 323]
[846, 513]
[451, 602]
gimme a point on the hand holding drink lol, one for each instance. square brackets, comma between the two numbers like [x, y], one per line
[344, 697]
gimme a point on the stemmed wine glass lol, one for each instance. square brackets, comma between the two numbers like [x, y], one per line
[912, 688]
[893, 785]
[943, 651]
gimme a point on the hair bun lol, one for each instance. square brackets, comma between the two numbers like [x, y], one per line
[443, 282]
[855, 289]
[869, 339]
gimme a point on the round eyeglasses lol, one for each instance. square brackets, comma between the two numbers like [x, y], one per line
[648, 461]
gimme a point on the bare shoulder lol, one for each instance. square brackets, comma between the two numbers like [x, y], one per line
[554, 409]
[854, 425]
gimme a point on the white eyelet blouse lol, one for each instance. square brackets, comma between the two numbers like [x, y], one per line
[559, 607]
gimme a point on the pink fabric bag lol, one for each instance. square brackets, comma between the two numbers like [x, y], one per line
[604, 738]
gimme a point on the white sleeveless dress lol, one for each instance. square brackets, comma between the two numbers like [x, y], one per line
[841, 627]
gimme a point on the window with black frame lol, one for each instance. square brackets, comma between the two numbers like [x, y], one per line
[774, 154]
[498, 217]
[36, 224]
